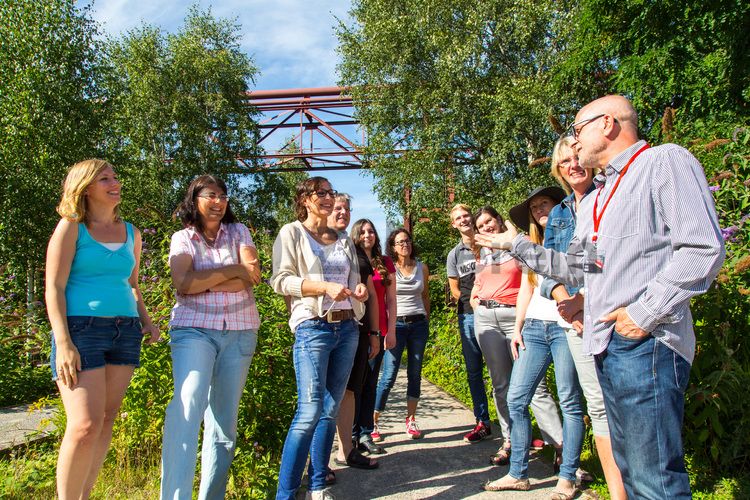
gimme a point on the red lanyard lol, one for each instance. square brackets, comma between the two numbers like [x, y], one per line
[597, 220]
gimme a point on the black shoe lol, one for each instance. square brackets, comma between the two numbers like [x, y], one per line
[368, 446]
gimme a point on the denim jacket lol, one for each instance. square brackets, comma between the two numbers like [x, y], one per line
[561, 225]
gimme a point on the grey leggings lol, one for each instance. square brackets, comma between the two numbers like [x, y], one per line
[493, 329]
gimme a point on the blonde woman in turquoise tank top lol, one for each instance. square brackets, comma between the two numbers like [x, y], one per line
[97, 316]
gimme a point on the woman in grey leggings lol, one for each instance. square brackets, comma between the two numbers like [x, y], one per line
[496, 284]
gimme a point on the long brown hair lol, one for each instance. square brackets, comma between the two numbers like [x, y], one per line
[377, 254]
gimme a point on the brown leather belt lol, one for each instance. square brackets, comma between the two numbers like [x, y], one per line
[493, 304]
[337, 316]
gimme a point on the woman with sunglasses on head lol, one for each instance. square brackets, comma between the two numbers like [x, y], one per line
[316, 267]
[493, 298]
[538, 340]
[578, 182]
[97, 316]
[213, 334]
[412, 328]
[384, 279]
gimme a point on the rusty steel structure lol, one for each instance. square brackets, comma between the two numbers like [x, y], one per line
[308, 129]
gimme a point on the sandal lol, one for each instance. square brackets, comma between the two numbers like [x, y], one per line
[565, 490]
[357, 460]
[502, 457]
[559, 495]
[507, 483]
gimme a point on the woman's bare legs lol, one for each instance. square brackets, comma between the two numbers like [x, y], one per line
[90, 409]
[344, 423]
[611, 471]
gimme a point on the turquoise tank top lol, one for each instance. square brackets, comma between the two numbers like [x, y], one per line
[98, 282]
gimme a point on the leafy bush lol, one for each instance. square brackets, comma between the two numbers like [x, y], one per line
[24, 346]
[718, 402]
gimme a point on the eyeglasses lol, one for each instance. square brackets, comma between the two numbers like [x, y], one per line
[321, 193]
[214, 197]
[567, 163]
[572, 132]
[402, 243]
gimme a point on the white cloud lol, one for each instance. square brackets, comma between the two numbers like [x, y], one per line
[293, 42]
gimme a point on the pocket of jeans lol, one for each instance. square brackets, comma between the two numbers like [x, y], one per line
[78, 324]
[630, 339]
[247, 343]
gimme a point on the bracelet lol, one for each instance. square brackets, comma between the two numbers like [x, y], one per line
[374, 333]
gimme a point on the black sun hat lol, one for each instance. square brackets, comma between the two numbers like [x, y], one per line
[520, 213]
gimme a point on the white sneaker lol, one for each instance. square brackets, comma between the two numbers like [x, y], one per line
[324, 494]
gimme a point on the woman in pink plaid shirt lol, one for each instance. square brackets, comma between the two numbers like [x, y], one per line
[213, 332]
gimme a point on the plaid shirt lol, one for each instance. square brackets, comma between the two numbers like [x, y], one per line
[214, 310]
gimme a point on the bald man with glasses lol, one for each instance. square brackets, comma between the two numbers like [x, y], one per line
[646, 242]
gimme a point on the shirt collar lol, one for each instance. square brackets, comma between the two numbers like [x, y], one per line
[618, 162]
[194, 235]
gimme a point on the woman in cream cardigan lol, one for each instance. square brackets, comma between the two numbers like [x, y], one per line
[316, 268]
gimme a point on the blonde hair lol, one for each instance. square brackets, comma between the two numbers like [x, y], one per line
[536, 235]
[561, 146]
[459, 206]
[80, 176]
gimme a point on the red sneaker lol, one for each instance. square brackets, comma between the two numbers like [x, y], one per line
[480, 432]
[375, 434]
[537, 444]
[411, 428]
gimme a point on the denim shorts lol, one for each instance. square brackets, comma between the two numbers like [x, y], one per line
[103, 341]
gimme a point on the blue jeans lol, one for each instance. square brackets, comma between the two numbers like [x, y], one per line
[644, 382]
[323, 357]
[102, 341]
[413, 338]
[474, 364]
[545, 342]
[209, 368]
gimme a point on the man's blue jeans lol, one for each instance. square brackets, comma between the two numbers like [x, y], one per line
[209, 368]
[644, 382]
[545, 342]
[474, 364]
[323, 357]
[413, 338]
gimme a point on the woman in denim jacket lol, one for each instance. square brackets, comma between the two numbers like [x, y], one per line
[578, 183]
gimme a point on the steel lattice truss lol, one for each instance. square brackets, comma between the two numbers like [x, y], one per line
[308, 129]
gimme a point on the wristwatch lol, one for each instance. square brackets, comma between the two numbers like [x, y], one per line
[374, 333]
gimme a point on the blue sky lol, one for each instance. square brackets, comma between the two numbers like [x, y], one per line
[292, 42]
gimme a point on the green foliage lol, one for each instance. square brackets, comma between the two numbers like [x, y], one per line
[48, 118]
[717, 398]
[701, 50]
[176, 108]
[24, 378]
[458, 81]
[24, 346]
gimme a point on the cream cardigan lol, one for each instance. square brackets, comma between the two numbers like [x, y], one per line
[295, 262]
